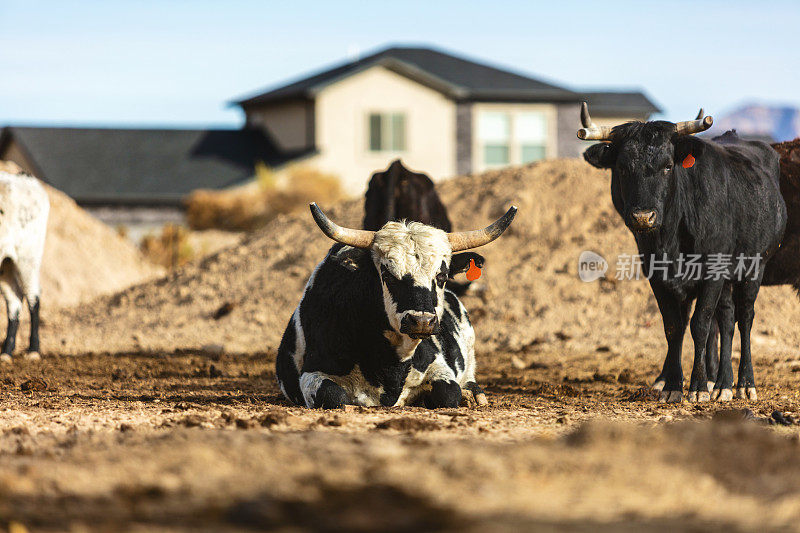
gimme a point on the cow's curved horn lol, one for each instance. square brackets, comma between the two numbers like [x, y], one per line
[697, 125]
[464, 240]
[591, 131]
[357, 238]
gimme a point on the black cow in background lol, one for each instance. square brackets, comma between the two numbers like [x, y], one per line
[784, 268]
[397, 194]
[684, 196]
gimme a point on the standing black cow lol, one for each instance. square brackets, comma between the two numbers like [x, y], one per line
[683, 196]
[397, 194]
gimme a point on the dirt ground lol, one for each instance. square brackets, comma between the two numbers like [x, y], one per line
[156, 409]
[202, 442]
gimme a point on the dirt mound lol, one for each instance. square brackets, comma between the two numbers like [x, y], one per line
[532, 298]
[84, 258]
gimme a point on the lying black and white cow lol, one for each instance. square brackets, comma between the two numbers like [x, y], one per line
[376, 326]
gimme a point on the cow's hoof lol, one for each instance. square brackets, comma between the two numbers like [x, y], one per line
[659, 384]
[671, 396]
[699, 396]
[32, 356]
[481, 399]
[747, 393]
[722, 395]
[6, 359]
[710, 385]
[468, 399]
[329, 395]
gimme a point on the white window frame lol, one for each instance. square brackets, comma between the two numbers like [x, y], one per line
[387, 140]
[514, 111]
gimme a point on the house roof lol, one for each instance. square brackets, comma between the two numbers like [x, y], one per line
[100, 165]
[615, 103]
[454, 76]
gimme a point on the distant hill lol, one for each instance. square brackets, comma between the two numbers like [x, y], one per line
[770, 123]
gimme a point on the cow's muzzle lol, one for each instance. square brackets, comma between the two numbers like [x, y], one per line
[419, 325]
[643, 220]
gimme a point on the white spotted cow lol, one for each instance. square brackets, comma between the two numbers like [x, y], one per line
[376, 326]
[24, 207]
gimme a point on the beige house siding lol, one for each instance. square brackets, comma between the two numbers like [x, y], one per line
[549, 112]
[290, 124]
[342, 129]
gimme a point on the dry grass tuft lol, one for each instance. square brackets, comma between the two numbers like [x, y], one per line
[171, 249]
[250, 207]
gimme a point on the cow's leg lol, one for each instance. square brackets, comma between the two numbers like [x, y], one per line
[702, 318]
[443, 394]
[321, 392]
[712, 354]
[445, 390]
[744, 297]
[13, 296]
[675, 315]
[726, 321]
[29, 283]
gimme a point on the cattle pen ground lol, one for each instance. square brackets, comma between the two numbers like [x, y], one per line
[157, 409]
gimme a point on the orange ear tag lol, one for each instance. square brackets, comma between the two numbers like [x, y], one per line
[473, 272]
[688, 162]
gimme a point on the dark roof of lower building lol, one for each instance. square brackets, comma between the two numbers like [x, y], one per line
[620, 103]
[452, 75]
[101, 165]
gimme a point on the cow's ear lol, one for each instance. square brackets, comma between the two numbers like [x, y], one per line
[599, 155]
[686, 145]
[460, 262]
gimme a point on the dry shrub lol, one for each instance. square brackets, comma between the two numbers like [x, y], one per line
[250, 207]
[233, 210]
[171, 249]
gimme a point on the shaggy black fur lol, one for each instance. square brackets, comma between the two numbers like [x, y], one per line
[400, 194]
[729, 202]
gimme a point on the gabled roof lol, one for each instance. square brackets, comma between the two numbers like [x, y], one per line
[100, 165]
[612, 103]
[454, 76]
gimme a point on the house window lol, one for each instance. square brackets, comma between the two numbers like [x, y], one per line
[387, 132]
[531, 134]
[494, 134]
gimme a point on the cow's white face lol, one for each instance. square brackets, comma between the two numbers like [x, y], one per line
[413, 261]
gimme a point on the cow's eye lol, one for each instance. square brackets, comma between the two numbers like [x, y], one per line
[667, 170]
[386, 275]
[441, 278]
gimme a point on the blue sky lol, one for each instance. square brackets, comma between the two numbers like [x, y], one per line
[177, 63]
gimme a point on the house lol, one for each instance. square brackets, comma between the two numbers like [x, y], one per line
[440, 113]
